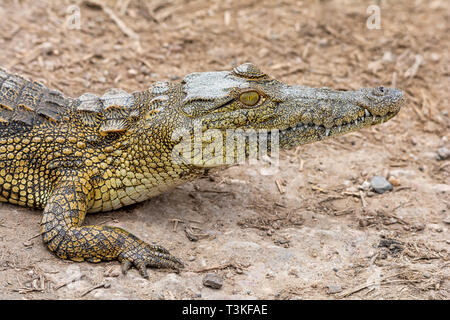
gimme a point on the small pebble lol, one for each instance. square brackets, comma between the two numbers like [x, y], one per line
[435, 57]
[323, 42]
[394, 181]
[27, 243]
[380, 184]
[443, 153]
[132, 72]
[435, 227]
[334, 288]
[157, 296]
[388, 56]
[365, 186]
[213, 280]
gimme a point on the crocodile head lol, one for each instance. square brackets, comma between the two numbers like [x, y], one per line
[246, 98]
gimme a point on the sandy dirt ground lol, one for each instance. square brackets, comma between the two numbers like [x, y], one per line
[312, 230]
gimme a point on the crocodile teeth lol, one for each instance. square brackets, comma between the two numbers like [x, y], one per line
[346, 126]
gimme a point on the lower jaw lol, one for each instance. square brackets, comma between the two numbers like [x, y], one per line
[310, 133]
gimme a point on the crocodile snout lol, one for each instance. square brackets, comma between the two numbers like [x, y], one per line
[382, 101]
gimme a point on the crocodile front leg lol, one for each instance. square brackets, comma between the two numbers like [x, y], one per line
[62, 231]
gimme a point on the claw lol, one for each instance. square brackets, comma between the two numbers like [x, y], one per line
[175, 263]
[165, 260]
[142, 269]
[126, 265]
[145, 255]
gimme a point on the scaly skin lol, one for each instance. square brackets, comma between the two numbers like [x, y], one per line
[70, 156]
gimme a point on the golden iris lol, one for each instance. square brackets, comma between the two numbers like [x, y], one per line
[250, 98]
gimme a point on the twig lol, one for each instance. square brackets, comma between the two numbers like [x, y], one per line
[302, 163]
[193, 236]
[35, 236]
[219, 267]
[280, 187]
[411, 72]
[316, 188]
[373, 283]
[330, 198]
[343, 212]
[222, 266]
[363, 200]
[105, 285]
[175, 225]
[70, 281]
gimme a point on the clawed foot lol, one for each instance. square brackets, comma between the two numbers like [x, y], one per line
[146, 255]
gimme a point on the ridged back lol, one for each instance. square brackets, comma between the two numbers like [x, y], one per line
[25, 104]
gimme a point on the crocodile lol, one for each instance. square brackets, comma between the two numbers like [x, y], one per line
[73, 156]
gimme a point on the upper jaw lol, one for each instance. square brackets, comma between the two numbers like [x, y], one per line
[338, 112]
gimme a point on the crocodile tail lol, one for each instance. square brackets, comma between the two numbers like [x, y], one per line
[25, 104]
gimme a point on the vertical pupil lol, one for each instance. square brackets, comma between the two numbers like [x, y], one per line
[250, 98]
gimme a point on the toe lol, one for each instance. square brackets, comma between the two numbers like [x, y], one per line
[126, 265]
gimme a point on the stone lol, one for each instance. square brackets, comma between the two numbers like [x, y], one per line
[443, 153]
[380, 185]
[394, 181]
[365, 186]
[212, 280]
[334, 288]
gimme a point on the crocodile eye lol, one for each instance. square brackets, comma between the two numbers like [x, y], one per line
[250, 98]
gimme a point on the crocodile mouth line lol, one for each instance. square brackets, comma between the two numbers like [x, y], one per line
[366, 120]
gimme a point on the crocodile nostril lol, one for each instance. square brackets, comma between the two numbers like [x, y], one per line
[379, 91]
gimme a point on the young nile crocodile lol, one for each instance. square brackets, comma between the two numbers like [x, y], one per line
[74, 156]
